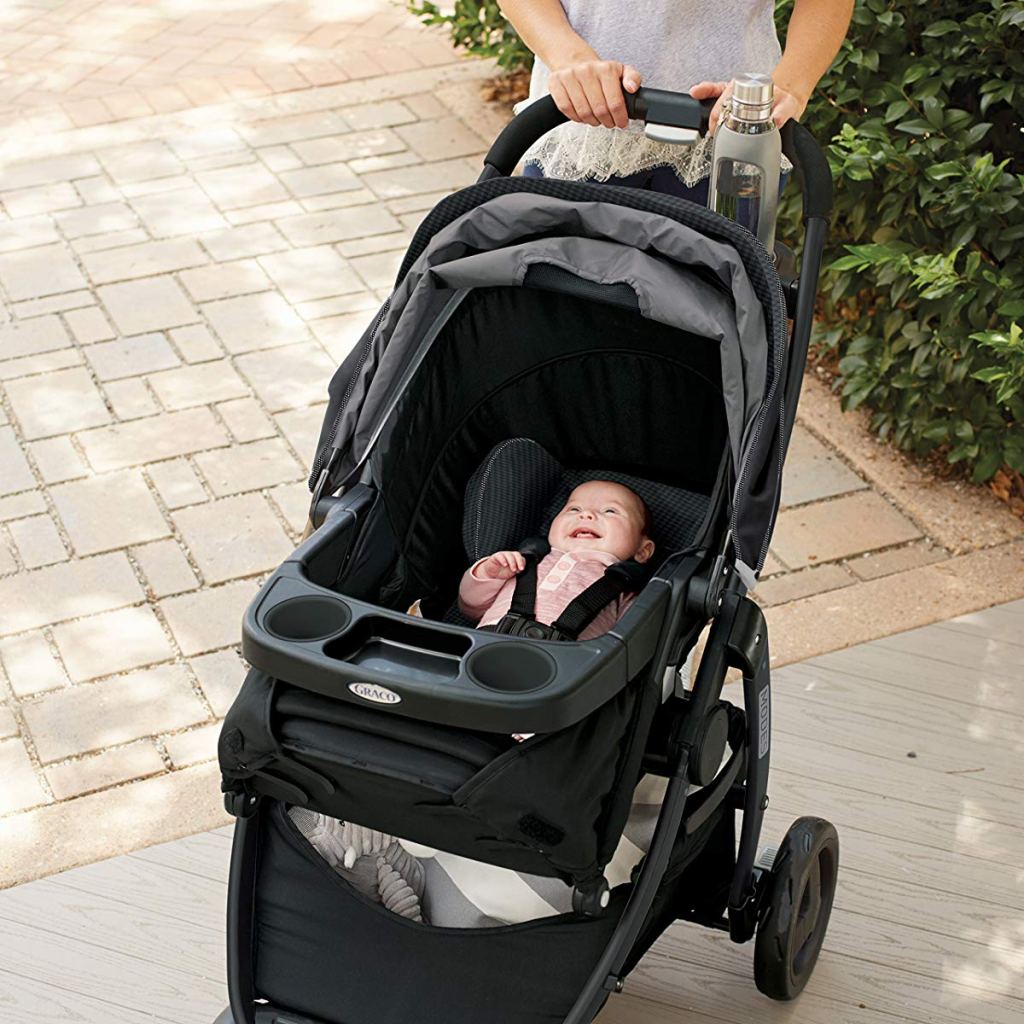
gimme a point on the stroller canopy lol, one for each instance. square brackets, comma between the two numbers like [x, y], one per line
[675, 265]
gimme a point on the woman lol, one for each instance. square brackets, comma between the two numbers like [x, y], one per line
[588, 51]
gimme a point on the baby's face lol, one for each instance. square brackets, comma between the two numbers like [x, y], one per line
[603, 516]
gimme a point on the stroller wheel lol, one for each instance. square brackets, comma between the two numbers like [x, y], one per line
[798, 904]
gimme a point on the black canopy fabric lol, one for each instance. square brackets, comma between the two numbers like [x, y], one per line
[689, 268]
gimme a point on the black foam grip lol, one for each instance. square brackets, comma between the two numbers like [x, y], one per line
[521, 133]
[664, 107]
[811, 167]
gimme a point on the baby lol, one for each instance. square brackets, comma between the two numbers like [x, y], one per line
[602, 523]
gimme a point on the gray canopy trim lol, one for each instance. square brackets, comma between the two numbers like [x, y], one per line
[667, 293]
[504, 221]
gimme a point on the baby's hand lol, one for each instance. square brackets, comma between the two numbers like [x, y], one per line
[502, 565]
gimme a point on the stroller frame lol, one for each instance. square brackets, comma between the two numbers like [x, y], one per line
[704, 588]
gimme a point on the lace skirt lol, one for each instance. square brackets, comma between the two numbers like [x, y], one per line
[581, 151]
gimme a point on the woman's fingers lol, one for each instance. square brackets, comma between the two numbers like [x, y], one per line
[561, 97]
[787, 106]
[591, 92]
[578, 99]
[708, 90]
[705, 90]
[614, 100]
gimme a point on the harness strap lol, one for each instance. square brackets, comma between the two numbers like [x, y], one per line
[621, 578]
[618, 579]
[524, 598]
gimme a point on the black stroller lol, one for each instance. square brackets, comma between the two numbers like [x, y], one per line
[541, 332]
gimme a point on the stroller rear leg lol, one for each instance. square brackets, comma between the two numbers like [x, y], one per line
[748, 650]
[607, 976]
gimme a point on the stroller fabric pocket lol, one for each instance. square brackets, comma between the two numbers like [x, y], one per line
[326, 950]
[541, 807]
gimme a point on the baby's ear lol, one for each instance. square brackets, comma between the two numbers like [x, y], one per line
[646, 549]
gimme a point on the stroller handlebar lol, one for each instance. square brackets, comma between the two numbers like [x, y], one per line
[660, 106]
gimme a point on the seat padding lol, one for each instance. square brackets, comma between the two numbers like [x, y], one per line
[520, 487]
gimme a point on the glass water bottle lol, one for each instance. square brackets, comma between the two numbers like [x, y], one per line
[746, 160]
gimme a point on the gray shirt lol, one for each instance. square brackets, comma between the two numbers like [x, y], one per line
[674, 44]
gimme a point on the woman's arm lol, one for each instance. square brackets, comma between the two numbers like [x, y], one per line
[815, 32]
[584, 87]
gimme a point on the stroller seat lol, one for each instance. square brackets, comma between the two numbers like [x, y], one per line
[414, 776]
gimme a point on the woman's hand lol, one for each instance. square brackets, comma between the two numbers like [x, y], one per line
[590, 91]
[502, 565]
[787, 103]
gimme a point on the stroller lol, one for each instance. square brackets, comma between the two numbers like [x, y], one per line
[541, 332]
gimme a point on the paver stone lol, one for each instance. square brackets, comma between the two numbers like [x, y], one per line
[233, 537]
[148, 305]
[108, 511]
[21, 788]
[286, 378]
[101, 645]
[112, 711]
[208, 619]
[252, 322]
[825, 531]
[56, 403]
[32, 273]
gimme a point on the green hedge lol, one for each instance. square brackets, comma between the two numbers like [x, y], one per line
[923, 296]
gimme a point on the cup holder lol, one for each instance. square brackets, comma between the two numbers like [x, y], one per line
[511, 667]
[306, 618]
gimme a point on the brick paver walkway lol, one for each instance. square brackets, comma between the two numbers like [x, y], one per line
[201, 206]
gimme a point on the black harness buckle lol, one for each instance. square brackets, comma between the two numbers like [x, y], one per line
[521, 625]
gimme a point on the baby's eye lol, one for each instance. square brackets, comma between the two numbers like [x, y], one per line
[573, 508]
[614, 511]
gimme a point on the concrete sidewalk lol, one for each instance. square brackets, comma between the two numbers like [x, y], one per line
[200, 210]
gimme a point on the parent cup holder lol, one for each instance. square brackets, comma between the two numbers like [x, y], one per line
[307, 618]
[511, 667]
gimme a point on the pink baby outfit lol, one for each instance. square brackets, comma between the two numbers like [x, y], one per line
[561, 577]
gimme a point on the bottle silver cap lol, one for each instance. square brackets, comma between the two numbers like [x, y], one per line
[752, 97]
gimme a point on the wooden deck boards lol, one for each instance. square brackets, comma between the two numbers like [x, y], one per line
[929, 918]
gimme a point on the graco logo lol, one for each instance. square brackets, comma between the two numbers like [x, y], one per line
[378, 694]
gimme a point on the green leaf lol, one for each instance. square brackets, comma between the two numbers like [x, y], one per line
[941, 28]
[896, 110]
[987, 465]
[977, 132]
[915, 126]
[933, 112]
[989, 374]
[948, 169]
[915, 73]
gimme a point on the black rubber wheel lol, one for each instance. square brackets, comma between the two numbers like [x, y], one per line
[801, 888]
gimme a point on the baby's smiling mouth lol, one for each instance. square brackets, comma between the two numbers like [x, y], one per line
[584, 533]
